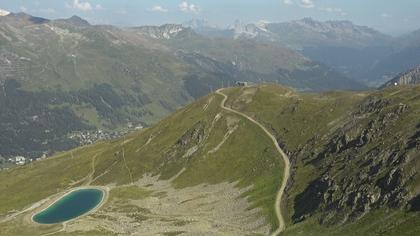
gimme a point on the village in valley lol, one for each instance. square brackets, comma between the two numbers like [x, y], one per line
[82, 138]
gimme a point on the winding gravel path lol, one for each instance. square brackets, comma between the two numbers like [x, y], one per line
[286, 173]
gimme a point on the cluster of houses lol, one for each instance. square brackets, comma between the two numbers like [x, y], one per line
[90, 137]
[6, 163]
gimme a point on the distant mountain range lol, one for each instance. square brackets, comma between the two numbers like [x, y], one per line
[311, 33]
[300, 34]
[106, 77]
[359, 52]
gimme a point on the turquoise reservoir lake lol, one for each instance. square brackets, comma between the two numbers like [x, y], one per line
[70, 206]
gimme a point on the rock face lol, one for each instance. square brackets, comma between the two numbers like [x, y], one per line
[185, 146]
[407, 78]
[167, 31]
[253, 31]
[364, 166]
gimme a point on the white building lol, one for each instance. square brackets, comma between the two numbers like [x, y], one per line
[241, 83]
[19, 160]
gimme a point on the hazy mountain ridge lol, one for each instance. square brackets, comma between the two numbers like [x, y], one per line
[405, 54]
[308, 32]
[409, 40]
[140, 67]
[359, 52]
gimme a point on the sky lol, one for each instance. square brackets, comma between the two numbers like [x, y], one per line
[389, 16]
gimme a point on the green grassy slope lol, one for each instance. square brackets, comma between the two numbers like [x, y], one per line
[247, 157]
[354, 156]
[354, 159]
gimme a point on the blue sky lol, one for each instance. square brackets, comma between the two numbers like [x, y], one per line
[390, 16]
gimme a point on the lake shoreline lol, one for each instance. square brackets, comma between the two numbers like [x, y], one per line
[105, 195]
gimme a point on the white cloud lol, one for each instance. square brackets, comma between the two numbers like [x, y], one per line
[23, 9]
[288, 2]
[311, 4]
[82, 6]
[301, 3]
[307, 3]
[188, 7]
[158, 8]
[99, 7]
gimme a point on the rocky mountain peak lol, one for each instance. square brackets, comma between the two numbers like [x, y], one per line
[166, 31]
[252, 30]
[76, 21]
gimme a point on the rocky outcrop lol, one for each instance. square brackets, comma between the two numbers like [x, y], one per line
[362, 166]
[408, 78]
[186, 145]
